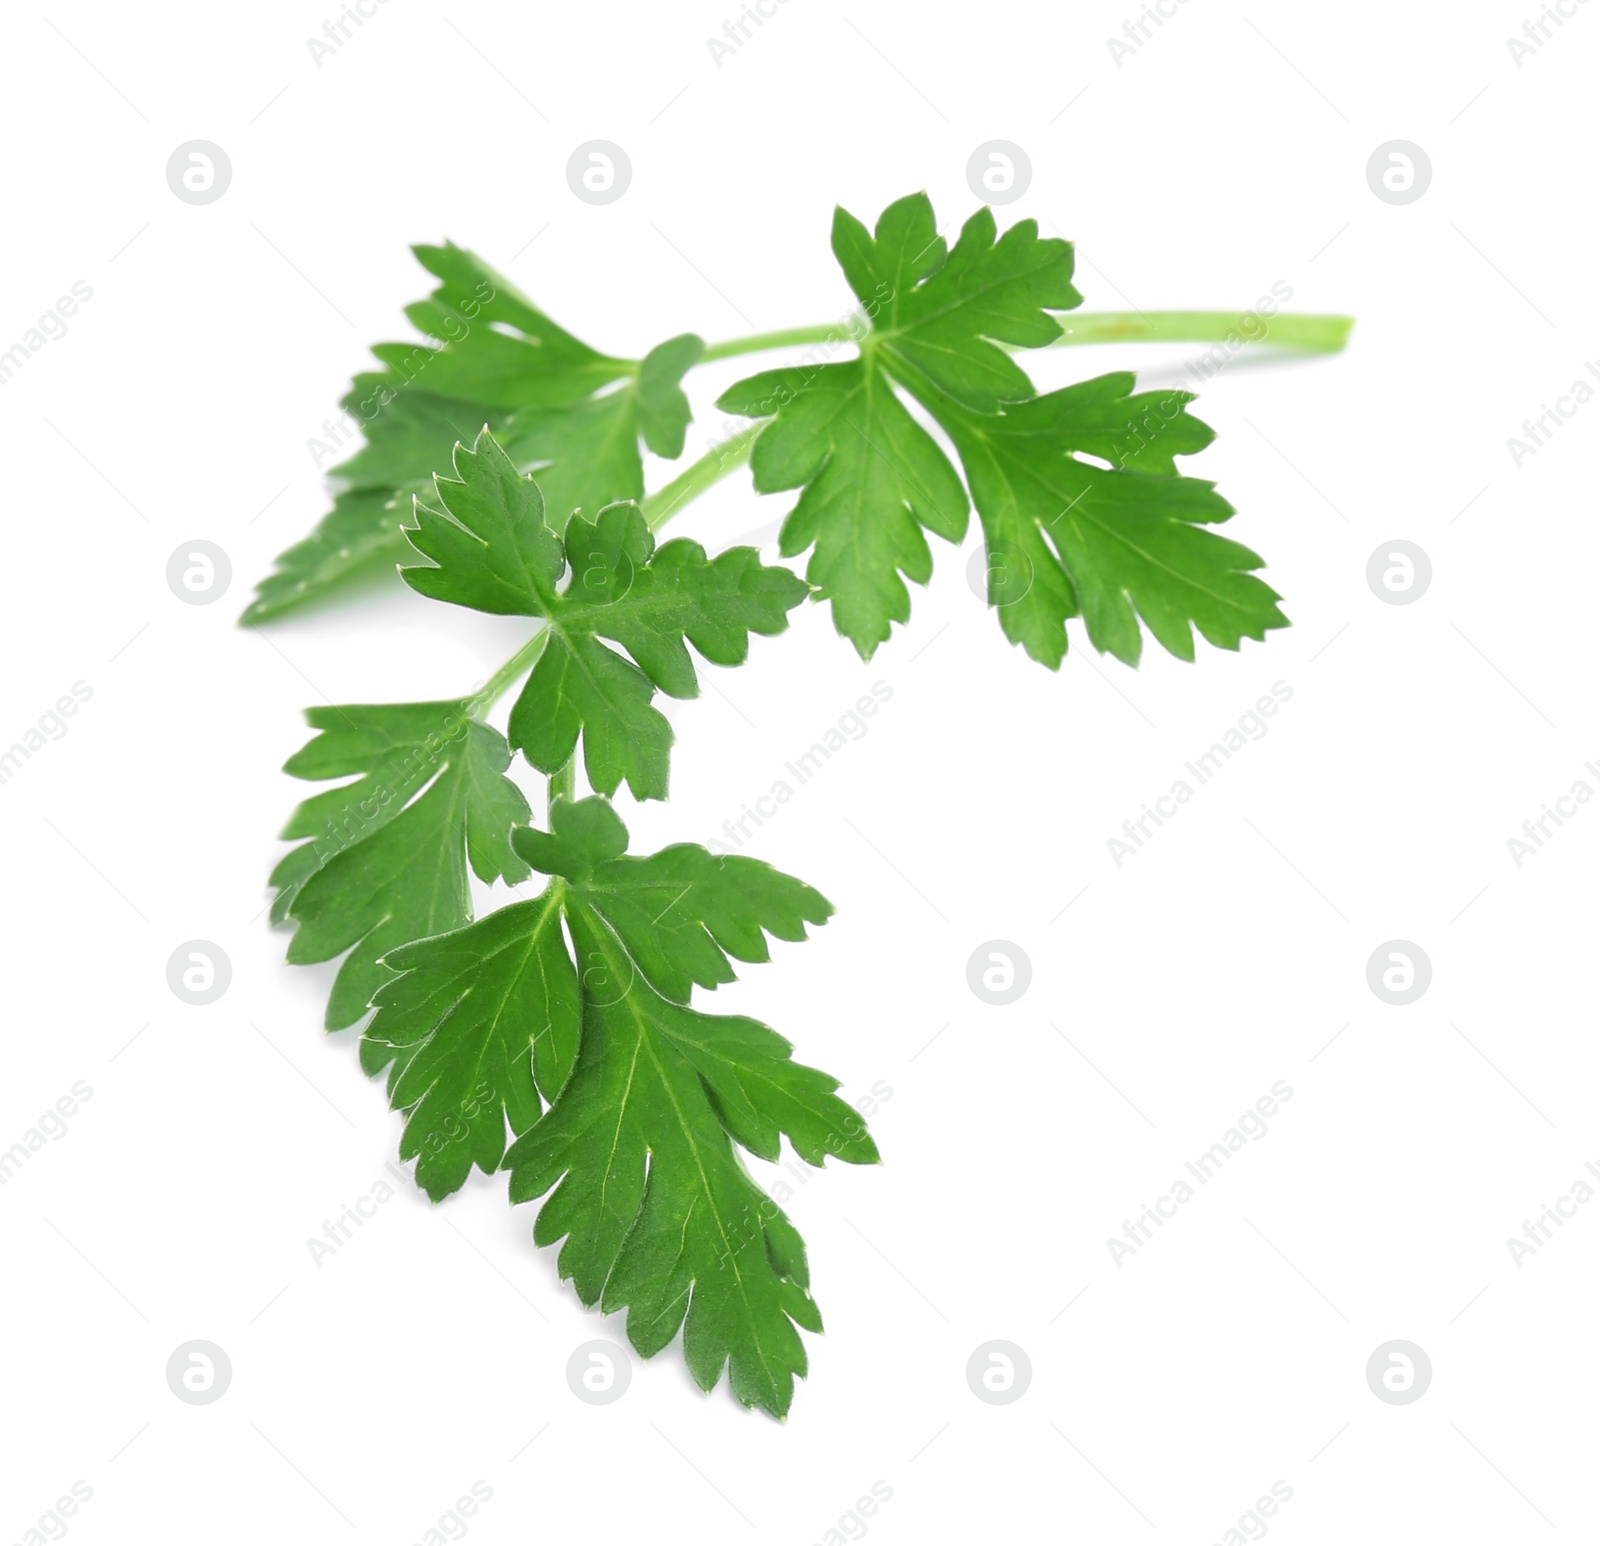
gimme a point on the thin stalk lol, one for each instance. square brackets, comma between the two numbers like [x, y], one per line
[1314, 332]
[697, 477]
[517, 666]
[562, 783]
[782, 338]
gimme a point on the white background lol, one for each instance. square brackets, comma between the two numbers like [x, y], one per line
[1229, 1353]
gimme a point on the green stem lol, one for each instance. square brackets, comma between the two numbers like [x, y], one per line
[783, 338]
[562, 783]
[697, 477]
[517, 666]
[1314, 332]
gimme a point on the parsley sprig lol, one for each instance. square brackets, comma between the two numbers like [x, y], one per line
[558, 1038]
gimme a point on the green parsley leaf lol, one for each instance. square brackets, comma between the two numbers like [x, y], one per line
[935, 313]
[1119, 544]
[385, 864]
[663, 406]
[679, 913]
[657, 1212]
[646, 1097]
[480, 1021]
[489, 342]
[491, 549]
[492, 359]
[637, 1149]
[359, 539]
[485, 1020]
[873, 478]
